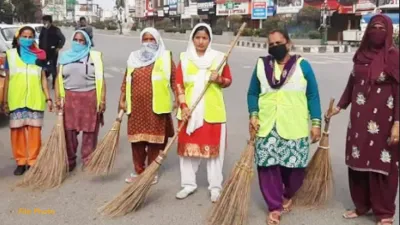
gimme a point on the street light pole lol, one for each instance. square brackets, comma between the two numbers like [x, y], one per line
[324, 23]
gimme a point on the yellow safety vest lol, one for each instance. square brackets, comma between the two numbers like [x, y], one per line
[25, 84]
[286, 107]
[97, 60]
[214, 105]
[161, 85]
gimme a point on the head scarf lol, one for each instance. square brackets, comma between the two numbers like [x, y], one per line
[30, 54]
[148, 52]
[203, 63]
[77, 50]
[379, 59]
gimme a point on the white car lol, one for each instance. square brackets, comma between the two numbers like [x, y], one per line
[7, 33]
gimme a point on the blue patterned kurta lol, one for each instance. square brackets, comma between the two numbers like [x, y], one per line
[273, 149]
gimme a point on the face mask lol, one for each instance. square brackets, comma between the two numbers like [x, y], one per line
[278, 51]
[26, 42]
[77, 47]
[377, 37]
[150, 46]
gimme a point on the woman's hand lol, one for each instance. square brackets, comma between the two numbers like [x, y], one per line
[122, 106]
[214, 76]
[5, 108]
[254, 123]
[185, 113]
[334, 112]
[58, 104]
[102, 107]
[49, 103]
[394, 137]
[315, 134]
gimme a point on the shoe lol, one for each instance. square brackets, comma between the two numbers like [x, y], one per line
[131, 178]
[20, 170]
[184, 193]
[155, 181]
[215, 195]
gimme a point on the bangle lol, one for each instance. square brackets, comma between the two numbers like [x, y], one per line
[49, 100]
[316, 122]
[254, 114]
[184, 105]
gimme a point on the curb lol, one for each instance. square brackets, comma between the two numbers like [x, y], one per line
[301, 48]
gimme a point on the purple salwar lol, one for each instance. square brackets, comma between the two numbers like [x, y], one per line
[278, 182]
[89, 142]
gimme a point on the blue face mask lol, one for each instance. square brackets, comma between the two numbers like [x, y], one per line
[26, 42]
[77, 47]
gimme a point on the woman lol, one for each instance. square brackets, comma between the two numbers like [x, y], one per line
[26, 95]
[373, 132]
[81, 92]
[204, 136]
[282, 96]
[147, 99]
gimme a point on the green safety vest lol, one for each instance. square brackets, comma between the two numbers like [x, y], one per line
[25, 84]
[97, 60]
[161, 85]
[286, 107]
[214, 105]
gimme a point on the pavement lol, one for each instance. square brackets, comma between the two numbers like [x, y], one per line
[77, 200]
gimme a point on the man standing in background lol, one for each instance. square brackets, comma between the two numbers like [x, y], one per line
[51, 40]
[85, 27]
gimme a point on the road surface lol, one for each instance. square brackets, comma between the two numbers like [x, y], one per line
[76, 202]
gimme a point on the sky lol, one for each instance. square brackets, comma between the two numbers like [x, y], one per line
[105, 4]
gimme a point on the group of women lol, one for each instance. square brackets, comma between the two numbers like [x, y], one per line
[283, 98]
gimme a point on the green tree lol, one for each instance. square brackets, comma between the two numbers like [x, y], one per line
[6, 13]
[25, 10]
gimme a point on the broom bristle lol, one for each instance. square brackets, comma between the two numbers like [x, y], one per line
[51, 167]
[317, 188]
[133, 196]
[232, 206]
[101, 161]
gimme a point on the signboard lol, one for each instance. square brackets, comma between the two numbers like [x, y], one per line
[233, 9]
[259, 9]
[205, 7]
[289, 6]
[149, 8]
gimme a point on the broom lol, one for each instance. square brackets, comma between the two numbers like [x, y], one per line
[233, 204]
[135, 194]
[51, 166]
[317, 187]
[101, 160]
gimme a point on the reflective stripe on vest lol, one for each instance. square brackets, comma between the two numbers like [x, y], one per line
[97, 60]
[286, 107]
[25, 84]
[161, 85]
[214, 104]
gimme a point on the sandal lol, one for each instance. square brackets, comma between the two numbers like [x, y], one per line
[388, 221]
[287, 205]
[352, 214]
[274, 218]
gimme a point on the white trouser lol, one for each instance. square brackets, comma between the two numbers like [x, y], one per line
[190, 165]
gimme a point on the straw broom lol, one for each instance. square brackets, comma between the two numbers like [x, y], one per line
[51, 167]
[133, 196]
[317, 187]
[101, 160]
[233, 204]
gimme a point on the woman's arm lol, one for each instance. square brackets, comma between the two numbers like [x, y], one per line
[123, 88]
[56, 85]
[345, 100]
[173, 79]
[253, 94]
[5, 94]
[312, 93]
[179, 85]
[225, 80]
[104, 91]
[45, 86]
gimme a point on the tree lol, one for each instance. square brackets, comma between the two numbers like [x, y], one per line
[6, 13]
[25, 10]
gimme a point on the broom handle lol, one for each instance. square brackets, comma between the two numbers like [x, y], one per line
[233, 44]
[327, 121]
[120, 115]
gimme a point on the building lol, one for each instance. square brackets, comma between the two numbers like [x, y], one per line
[56, 8]
[92, 12]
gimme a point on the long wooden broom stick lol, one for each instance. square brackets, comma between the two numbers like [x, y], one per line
[135, 194]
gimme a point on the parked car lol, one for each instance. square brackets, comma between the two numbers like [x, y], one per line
[7, 33]
[2, 78]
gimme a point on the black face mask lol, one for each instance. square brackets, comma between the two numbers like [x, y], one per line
[278, 52]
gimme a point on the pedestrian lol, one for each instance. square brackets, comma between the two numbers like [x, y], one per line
[85, 27]
[204, 136]
[372, 139]
[81, 83]
[51, 40]
[147, 99]
[26, 96]
[282, 97]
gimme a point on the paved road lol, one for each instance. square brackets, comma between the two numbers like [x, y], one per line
[75, 203]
